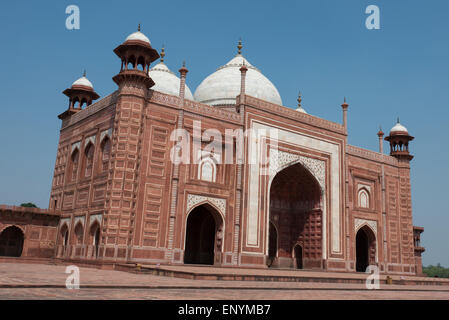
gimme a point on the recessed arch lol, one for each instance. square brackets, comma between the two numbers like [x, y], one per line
[105, 147]
[88, 159]
[295, 202]
[78, 233]
[11, 241]
[365, 247]
[204, 231]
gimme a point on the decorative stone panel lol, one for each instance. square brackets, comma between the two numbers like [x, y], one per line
[194, 199]
[281, 159]
[370, 223]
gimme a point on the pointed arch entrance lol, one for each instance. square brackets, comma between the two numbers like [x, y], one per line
[11, 242]
[365, 248]
[204, 232]
[295, 211]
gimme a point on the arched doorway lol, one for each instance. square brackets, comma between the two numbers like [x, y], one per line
[298, 256]
[11, 242]
[272, 245]
[365, 248]
[295, 199]
[203, 240]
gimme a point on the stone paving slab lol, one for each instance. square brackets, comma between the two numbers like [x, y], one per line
[39, 281]
[214, 294]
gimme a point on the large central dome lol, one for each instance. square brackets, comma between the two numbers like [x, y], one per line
[223, 86]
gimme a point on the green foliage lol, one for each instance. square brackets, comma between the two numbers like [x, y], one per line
[28, 205]
[438, 270]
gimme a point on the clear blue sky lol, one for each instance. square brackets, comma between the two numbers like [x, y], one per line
[319, 47]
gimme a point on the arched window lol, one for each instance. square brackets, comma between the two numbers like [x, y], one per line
[105, 154]
[73, 166]
[363, 198]
[89, 159]
[207, 170]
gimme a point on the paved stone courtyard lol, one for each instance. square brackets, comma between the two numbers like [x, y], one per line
[41, 281]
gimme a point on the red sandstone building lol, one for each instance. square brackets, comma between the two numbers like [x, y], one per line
[309, 200]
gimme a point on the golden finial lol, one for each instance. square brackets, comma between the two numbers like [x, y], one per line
[184, 64]
[344, 99]
[162, 53]
[84, 73]
[239, 46]
[138, 27]
[398, 119]
[299, 99]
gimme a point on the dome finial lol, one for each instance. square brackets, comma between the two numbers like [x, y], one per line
[184, 64]
[299, 99]
[162, 53]
[239, 46]
[84, 73]
[398, 119]
[138, 27]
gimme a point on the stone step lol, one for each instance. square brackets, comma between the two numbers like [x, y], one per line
[278, 275]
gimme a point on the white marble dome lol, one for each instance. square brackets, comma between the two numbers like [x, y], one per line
[166, 81]
[223, 86]
[83, 81]
[398, 128]
[138, 36]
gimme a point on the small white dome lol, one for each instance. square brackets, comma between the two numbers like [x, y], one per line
[138, 36]
[398, 128]
[83, 81]
[166, 81]
[223, 86]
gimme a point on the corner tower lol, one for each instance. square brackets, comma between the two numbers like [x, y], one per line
[125, 176]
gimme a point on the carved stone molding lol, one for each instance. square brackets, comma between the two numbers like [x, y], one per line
[281, 159]
[370, 223]
[194, 199]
